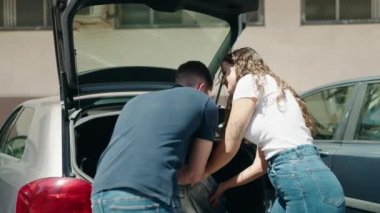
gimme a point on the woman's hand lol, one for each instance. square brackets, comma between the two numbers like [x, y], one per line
[215, 198]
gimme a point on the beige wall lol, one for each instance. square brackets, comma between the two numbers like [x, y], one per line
[306, 56]
[310, 55]
[27, 64]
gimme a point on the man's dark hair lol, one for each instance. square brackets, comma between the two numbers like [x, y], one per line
[189, 71]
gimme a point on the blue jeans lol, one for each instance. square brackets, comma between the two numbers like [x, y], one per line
[303, 183]
[196, 198]
[125, 200]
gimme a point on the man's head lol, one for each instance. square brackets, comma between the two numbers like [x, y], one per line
[194, 74]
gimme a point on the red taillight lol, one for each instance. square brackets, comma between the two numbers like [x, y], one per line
[56, 195]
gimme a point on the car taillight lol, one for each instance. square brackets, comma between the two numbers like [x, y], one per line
[55, 194]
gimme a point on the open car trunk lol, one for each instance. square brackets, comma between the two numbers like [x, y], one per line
[105, 47]
[92, 135]
[93, 132]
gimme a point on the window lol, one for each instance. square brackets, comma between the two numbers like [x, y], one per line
[141, 16]
[340, 11]
[1, 13]
[124, 16]
[24, 14]
[327, 108]
[368, 127]
[36, 15]
[108, 33]
[14, 136]
[257, 18]
[29, 13]
[136, 15]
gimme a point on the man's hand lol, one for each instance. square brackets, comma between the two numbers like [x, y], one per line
[218, 194]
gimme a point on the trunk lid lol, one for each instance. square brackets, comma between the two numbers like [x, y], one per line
[105, 46]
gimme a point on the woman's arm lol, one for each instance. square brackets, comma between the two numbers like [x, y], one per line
[240, 116]
[256, 170]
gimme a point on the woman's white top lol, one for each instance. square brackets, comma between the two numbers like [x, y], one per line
[275, 125]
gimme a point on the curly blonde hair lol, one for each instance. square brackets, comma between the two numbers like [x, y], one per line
[247, 61]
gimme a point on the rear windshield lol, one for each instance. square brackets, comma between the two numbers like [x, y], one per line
[115, 35]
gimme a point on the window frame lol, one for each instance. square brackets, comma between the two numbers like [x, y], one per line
[10, 17]
[337, 20]
[355, 114]
[10, 125]
[261, 15]
[364, 109]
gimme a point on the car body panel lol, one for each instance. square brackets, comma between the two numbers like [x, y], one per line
[42, 155]
[355, 165]
[340, 83]
[328, 150]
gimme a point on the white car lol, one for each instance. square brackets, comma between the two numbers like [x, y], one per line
[107, 52]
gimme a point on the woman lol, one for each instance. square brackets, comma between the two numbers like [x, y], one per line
[267, 111]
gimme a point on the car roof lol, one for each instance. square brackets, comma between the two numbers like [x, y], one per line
[342, 82]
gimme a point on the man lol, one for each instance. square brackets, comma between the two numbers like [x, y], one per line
[139, 169]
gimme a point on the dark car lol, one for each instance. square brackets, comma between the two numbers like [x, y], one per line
[347, 118]
[107, 52]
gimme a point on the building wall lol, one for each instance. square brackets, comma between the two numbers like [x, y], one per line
[310, 55]
[27, 64]
[304, 55]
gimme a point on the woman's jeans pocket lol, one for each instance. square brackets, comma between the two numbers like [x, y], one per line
[307, 182]
[328, 187]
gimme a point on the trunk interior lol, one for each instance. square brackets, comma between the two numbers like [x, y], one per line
[93, 132]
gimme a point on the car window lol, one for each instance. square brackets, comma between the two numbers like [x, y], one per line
[368, 127]
[327, 108]
[7, 125]
[14, 137]
[105, 36]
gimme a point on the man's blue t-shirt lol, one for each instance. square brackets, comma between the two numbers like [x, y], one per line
[151, 139]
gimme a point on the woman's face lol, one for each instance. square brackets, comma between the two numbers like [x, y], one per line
[229, 77]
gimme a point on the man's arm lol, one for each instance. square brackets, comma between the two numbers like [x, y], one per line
[240, 116]
[199, 154]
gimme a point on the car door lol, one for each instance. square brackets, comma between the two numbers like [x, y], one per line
[13, 137]
[358, 160]
[329, 107]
